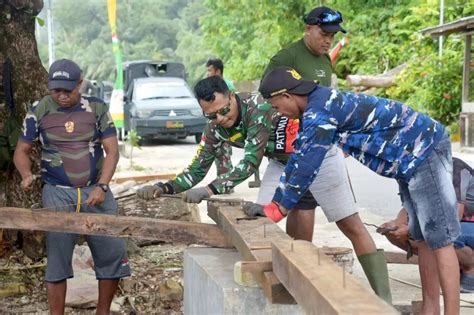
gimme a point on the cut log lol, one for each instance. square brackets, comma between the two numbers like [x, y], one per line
[318, 285]
[143, 178]
[386, 79]
[370, 80]
[120, 188]
[119, 226]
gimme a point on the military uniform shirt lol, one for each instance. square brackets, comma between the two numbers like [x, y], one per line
[385, 135]
[259, 130]
[311, 67]
[71, 150]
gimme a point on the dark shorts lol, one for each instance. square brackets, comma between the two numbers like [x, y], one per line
[109, 253]
[430, 199]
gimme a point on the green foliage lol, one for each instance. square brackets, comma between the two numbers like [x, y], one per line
[432, 85]
[192, 48]
[382, 35]
[166, 30]
[246, 33]
[133, 140]
[40, 21]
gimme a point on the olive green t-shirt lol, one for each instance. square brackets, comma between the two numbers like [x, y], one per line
[300, 58]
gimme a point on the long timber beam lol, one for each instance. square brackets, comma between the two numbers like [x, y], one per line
[119, 226]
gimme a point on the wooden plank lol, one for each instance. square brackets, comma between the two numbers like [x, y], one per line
[400, 258]
[143, 178]
[120, 226]
[252, 238]
[320, 286]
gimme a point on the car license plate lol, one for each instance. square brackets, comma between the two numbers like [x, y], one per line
[174, 124]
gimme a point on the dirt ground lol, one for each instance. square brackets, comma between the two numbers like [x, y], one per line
[156, 284]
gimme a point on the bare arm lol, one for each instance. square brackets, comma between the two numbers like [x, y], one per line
[21, 158]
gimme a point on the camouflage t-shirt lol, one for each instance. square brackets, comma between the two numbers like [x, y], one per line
[259, 130]
[70, 138]
[387, 136]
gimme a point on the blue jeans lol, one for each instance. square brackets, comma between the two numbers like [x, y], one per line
[467, 235]
[430, 199]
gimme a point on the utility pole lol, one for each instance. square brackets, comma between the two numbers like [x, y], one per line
[441, 22]
[50, 35]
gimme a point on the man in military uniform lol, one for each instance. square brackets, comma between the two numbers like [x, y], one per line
[215, 67]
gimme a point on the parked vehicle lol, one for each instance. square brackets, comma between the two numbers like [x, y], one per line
[163, 107]
[149, 68]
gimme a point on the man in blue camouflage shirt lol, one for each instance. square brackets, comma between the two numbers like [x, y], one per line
[394, 141]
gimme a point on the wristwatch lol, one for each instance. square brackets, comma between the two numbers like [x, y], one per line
[104, 187]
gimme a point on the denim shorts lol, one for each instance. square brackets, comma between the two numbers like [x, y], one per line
[430, 199]
[330, 189]
[109, 253]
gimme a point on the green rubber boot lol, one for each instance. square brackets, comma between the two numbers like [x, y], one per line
[375, 268]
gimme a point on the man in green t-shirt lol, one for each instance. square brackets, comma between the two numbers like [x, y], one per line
[215, 67]
[309, 57]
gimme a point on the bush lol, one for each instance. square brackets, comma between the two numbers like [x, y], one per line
[432, 85]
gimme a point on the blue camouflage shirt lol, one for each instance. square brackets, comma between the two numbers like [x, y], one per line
[387, 136]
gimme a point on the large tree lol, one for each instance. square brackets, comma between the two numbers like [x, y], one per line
[29, 81]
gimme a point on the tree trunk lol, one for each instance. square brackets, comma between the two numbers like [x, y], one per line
[29, 81]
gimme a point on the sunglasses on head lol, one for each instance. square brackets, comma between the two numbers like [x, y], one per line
[223, 111]
[324, 18]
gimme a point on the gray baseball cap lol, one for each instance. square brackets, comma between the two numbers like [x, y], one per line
[64, 74]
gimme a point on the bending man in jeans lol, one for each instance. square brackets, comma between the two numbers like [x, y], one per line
[392, 140]
[73, 133]
[261, 131]
[397, 231]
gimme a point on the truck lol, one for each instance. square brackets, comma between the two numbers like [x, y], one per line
[158, 102]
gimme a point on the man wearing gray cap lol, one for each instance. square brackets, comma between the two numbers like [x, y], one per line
[73, 133]
[309, 55]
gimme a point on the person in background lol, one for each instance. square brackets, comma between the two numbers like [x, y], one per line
[73, 133]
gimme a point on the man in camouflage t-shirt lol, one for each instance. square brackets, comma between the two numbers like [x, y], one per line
[394, 141]
[73, 133]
